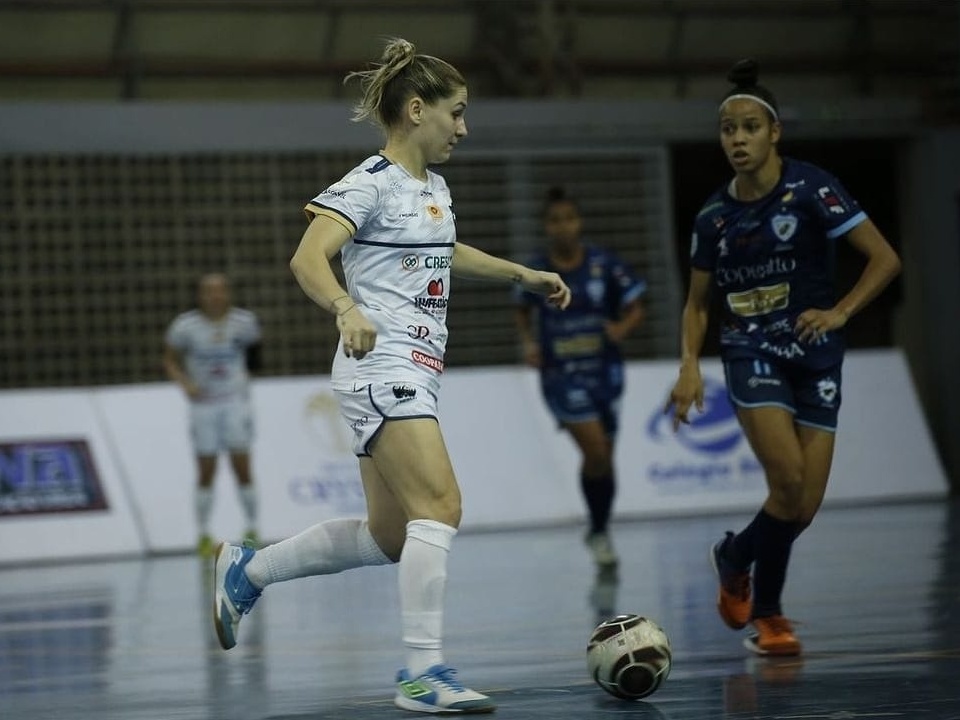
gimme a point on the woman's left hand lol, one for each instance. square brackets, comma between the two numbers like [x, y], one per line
[814, 324]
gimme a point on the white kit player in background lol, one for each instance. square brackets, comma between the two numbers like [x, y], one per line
[210, 352]
[392, 221]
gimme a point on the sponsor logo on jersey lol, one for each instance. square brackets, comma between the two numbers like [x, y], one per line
[410, 262]
[747, 273]
[427, 361]
[759, 300]
[830, 199]
[438, 262]
[787, 352]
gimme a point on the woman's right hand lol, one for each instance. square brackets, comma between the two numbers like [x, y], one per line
[687, 391]
[357, 333]
[531, 354]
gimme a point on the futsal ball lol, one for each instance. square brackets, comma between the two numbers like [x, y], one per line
[629, 656]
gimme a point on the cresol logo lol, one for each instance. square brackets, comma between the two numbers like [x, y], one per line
[715, 431]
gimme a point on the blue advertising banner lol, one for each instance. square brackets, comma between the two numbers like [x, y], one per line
[48, 476]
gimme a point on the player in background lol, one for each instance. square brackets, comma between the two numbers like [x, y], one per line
[578, 353]
[391, 219]
[766, 241]
[209, 352]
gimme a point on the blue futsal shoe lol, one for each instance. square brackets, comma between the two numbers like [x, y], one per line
[233, 594]
[438, 691]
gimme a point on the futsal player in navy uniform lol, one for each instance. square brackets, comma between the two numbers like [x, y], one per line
[578, 353]
[765, 242]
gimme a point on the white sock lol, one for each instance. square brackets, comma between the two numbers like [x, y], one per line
[248, 498]
[423, 579]
[324, 549]
[203, 505]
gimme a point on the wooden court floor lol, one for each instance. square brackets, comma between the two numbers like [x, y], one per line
[875, 593]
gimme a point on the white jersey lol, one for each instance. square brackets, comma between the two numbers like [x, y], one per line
[215, 351]
[397, 268]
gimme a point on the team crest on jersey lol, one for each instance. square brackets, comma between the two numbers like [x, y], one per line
[594, 289]
[435, 212]
[784, 226]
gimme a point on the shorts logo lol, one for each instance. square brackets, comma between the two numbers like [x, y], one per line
[404, 392]
[827, 390]
[410, 262]
[427, 361]
[755, 381]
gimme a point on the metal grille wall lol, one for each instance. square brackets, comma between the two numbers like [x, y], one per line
[99, 252]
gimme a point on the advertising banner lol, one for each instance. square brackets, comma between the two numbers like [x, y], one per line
[112, 470]
[61, 491]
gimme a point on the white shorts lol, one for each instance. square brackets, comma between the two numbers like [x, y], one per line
[223, 425]
[368, 407]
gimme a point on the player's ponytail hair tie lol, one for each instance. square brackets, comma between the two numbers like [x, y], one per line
[744, 75]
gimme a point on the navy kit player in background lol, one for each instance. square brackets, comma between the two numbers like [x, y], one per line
[765, 241]
[578, 353]
[392, 221]
[209, 353]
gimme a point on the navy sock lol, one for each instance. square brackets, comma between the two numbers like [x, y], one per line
[598, 492]
[773, 539]
[739, 552]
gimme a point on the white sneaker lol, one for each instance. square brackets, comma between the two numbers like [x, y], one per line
[602, 549]
[438, 691]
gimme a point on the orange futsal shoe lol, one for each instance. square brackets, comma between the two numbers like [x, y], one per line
[774, 636]
[733, 598]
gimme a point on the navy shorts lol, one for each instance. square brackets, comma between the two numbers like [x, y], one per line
[813, 396]
[572, 400]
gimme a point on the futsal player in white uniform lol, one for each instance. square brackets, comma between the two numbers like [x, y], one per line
[209, 351]
[392, 221]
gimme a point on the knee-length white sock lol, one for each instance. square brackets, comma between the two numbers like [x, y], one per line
[423, 579]
[324, 549]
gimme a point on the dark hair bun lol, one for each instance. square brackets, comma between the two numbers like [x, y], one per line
[744, 73]
[556, 194]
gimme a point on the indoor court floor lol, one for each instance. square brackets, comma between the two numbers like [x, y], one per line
[875, 593]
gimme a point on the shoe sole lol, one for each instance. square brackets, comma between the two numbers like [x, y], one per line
[784, 650]
[729, 621]
[225, 642]
[405, 703]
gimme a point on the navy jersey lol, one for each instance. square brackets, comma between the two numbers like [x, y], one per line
[772, 259]
[573, 341]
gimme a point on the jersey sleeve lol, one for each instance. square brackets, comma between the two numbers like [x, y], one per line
[626, 285]
[252, 334]
[350, 201]
[838, 212]
[176, 335]
[703, 243]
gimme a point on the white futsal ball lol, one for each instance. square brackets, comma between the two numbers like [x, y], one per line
[629, 656]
